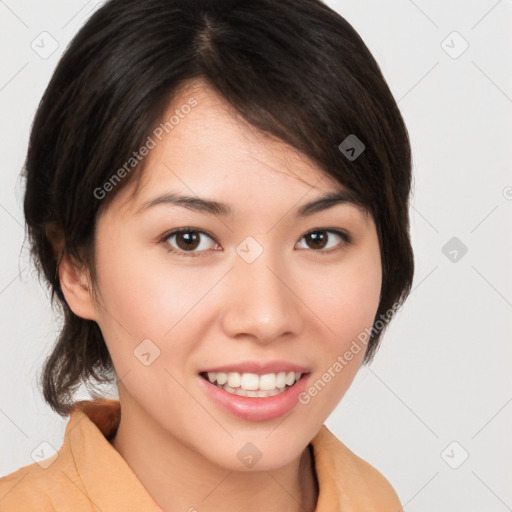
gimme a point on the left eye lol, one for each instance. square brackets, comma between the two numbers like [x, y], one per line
[318, 239]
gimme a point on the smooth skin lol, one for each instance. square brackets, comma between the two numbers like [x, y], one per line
[302, 300]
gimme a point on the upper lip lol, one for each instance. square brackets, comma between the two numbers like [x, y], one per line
[258, 367]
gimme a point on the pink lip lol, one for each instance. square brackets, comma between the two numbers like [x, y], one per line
[255, 409]
[259, 368]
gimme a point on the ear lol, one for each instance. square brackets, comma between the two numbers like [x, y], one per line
[77, 289]
[73, 279]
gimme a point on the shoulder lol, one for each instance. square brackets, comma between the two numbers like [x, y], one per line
[52, 485]
[86, 467]
[26, 489]
[377, 484]
[356, 480]
[44, 485]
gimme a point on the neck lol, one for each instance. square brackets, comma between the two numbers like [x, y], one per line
[179, 478]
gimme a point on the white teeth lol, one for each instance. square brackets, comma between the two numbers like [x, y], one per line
[290, 378]
[250, 381]
[281, 380]
[268, 381]
[234, 380]
[252, 384]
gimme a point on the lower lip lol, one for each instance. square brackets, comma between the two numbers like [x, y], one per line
[257, 408]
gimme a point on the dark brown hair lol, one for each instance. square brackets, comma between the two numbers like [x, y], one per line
[294, 69]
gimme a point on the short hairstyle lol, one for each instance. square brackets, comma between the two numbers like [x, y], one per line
[294, 69]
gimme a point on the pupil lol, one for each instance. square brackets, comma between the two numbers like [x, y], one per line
[316, 237]
[191, 239]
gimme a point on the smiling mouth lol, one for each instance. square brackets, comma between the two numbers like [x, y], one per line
[251, 384]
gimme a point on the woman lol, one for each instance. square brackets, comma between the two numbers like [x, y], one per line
[217, 193]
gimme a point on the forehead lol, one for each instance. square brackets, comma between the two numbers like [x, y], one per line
[210, 147]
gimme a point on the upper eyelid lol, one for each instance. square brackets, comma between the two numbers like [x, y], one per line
[186, 230]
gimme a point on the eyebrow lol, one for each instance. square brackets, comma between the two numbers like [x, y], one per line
[211, 207]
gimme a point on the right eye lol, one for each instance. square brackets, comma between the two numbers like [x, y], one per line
[188, 241]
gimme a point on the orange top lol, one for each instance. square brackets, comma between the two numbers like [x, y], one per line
[88, 474]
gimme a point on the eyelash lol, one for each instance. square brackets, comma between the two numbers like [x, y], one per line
[347, 239]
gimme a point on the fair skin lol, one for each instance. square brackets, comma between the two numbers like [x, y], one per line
[296, 302]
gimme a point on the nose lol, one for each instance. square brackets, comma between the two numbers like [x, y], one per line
[259, 300]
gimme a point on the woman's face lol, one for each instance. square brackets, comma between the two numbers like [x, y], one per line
[264, 290]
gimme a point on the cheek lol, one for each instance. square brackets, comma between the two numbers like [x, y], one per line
[145, 296]
[347, 297]
[347, 309]
[138, 289]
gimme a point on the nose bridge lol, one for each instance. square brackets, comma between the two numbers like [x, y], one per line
[260, 303]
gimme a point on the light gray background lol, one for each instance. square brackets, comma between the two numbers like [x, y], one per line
[443, 371]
